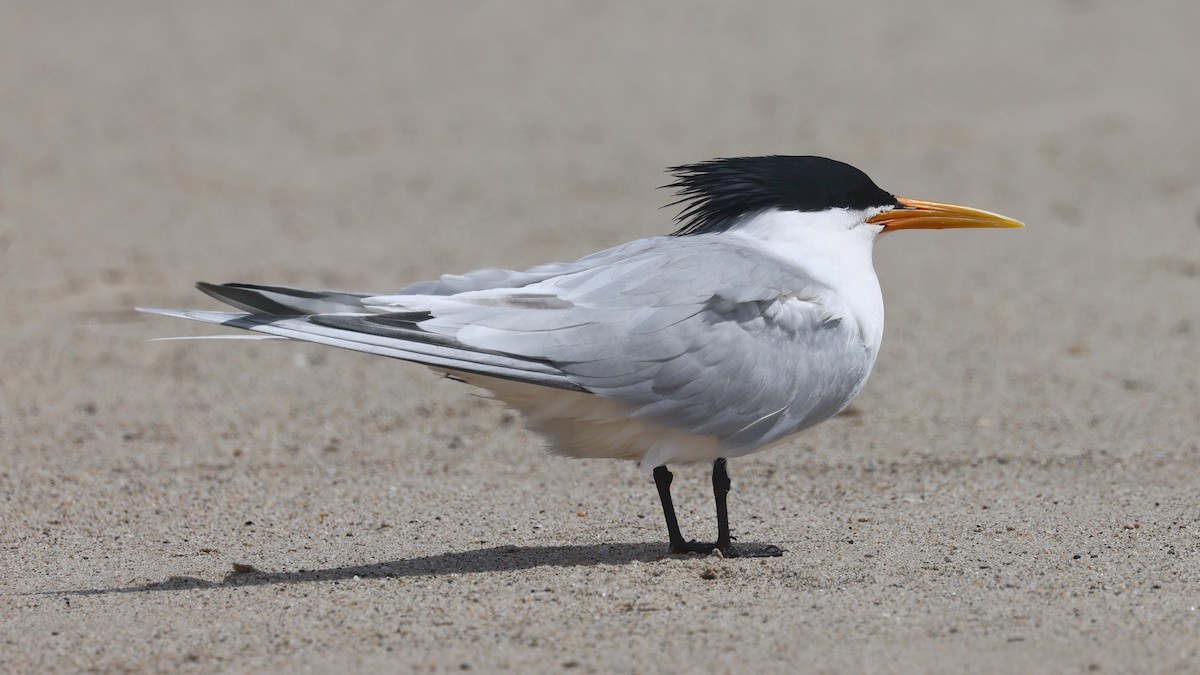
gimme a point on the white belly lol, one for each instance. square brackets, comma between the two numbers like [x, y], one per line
[589, 426]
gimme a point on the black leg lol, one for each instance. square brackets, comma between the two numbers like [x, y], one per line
[724, 543]
[662, 480]
[721, 485]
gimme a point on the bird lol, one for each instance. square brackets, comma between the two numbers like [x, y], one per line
[761, 315]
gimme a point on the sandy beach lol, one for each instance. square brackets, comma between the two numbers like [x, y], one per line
[1015, 490]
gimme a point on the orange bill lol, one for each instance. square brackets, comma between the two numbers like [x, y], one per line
[915, 214]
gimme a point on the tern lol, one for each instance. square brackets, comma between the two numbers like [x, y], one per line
[759, 317]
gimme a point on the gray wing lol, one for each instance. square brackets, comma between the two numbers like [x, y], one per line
[391, 335]
[285, 301]
[366, 323]
[712, 335]
[492, 278]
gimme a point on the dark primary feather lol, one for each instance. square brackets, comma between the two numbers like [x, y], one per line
[300, 314]
[281, 300]
[717, 193]
[399, 325]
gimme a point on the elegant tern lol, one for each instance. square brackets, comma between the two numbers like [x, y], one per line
[759, 317]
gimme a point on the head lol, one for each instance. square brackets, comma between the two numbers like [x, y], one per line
[719, 194]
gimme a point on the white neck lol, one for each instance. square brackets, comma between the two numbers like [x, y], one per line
[833, 247]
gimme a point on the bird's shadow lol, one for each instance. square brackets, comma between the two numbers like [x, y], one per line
[494, 559]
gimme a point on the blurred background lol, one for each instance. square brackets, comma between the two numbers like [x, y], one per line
[365, 145]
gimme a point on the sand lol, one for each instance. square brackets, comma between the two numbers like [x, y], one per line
[1015, 491]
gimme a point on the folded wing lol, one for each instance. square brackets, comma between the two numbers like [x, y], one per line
[710, 335]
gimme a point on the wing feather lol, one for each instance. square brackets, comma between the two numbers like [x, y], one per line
[709, 333]
[350, 334]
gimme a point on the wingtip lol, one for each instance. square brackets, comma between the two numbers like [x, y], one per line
[211, 290]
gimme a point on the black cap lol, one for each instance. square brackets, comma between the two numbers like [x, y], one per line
[717, 193]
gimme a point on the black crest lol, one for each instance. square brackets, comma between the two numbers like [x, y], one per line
[717, 193]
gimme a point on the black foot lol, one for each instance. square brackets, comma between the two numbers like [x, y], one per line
[729, 551]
